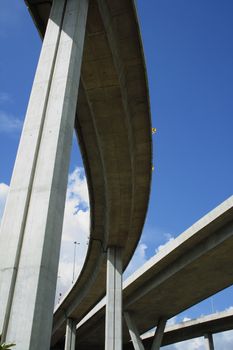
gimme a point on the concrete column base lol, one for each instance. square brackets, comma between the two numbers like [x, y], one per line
[209, 342]
[133, 331]
[113, 323]
[70, 334]
[159, 334]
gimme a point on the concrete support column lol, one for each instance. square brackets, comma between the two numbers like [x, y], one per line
[70, 334]
[209, 342]
[32, 223]
[113, 322]
[159, 334]
[133, 331]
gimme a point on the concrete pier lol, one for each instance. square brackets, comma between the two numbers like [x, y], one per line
[158, 337]
[209, 342]
[113, 323]
[70, 334]
[32, 223]
[133, 331]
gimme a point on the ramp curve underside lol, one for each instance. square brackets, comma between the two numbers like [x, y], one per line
[114, 133]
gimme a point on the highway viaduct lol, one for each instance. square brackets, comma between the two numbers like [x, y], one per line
[189, 269]
[205, 326]
[90, 77]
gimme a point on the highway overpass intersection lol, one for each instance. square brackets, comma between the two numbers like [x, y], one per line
[91, 77]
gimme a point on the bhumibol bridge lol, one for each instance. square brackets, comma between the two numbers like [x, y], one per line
[91, 78]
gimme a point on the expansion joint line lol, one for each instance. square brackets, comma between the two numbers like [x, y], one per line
[31, 180]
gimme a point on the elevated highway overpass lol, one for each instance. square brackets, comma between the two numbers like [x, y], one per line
[196, 265]
[91, 76]
[200, 327]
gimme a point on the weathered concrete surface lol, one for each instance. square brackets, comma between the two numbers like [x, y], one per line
[113, 319]
[133, 331]
[114, 131]
[32, 223]
[70, 336]
[210, 324]
[194, 266]
[158, 336]
[209, 342]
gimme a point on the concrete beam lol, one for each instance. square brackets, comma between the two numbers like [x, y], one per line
[133, 331]
[216, 226]
[70, 334]
[24, 169]
[113, 323]
[117, 181]
[158, 337]
[30, 243]
[209, 342]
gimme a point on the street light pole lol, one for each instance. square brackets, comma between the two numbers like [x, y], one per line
[75, 244]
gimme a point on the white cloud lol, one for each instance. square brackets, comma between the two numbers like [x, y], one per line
[3, 194]
[9, 123]
[169, 238]
[224, 340]
[75, 229]
[172, 321]
[230, 308]
[76, 215]
[139, 258]
[194, 344]
[65, 272]
[186, 319]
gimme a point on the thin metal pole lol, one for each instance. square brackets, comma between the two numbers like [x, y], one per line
[74, 262]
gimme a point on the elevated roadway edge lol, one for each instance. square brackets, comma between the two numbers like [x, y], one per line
[114, 133]
[199, 327]
[194, 266]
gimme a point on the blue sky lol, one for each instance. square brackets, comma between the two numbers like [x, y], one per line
[189, 53]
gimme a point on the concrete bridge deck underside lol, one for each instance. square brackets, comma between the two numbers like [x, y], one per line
[194, 266]
[114, 132]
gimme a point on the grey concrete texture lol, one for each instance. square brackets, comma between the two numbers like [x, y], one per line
[189, 269]
[31, 242]
[114, 131]
[133, 331]
[209, 324]
[158, 336]
[70, 336]
[113, 318]
[209, 342]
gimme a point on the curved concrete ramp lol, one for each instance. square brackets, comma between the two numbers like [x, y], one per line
[189, 269]
[114, 132]
[199, 327]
